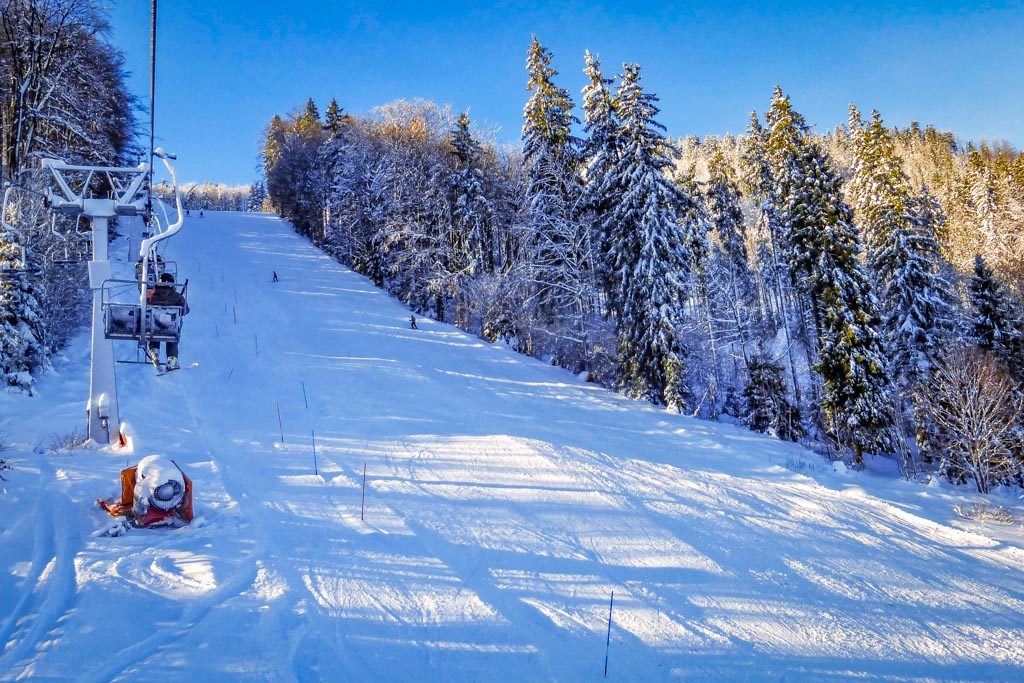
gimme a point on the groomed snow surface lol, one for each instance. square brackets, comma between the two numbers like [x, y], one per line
[505, 501]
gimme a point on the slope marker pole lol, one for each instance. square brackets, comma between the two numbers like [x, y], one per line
[304, 399]
[316, 470]
[362, 505]
[279, 423]
[608, 640]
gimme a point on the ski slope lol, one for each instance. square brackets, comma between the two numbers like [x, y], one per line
[505, 501]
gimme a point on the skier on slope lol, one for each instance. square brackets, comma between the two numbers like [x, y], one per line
[164, 294]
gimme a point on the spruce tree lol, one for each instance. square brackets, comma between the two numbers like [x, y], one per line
[646, 246]
[309, 123]
[995, 326]
[599, 154]
[785, 133]
[548, 144]
[335, 117]
[22, 344]
[551, 154]
[917, 297]
[824, 262]
[771, 152]
[469, 237]
[767, 405]
[879, 190]
[903, 252]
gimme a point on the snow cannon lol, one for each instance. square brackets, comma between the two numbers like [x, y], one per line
[153, 493]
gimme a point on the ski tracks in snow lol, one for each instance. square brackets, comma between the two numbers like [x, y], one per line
[48, 592]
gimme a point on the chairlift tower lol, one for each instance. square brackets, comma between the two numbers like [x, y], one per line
[124, 196]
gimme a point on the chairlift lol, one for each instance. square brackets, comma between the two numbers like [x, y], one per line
[85, 232]
[157, 266]
[125, 318]
[139, 320]
[69, 257]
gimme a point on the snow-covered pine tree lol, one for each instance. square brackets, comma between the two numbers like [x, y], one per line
[767, 406]
[785, 133]
[599, 124]
[257, 195]
[764, 160]
[903, 253]
[646, 246]
[548, 144]
[995, 325]
[471, 233]
[918, 297]
[335, 117]
[22, 344]
[786, 140]
[878, 191]
[551, 154]
[824, 250]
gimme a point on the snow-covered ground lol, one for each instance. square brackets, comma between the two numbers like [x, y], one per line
[505, 501]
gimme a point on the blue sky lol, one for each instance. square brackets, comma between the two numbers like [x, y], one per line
[224, 68]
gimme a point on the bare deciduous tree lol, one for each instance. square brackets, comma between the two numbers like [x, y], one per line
[974, 407]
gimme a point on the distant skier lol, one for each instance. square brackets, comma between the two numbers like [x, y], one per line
[164, 294]
[412, 322]
[200, 213]
[188, 213]
[275, 276]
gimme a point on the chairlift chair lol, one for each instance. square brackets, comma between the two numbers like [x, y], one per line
[69, 257]
[125, 319]
[157, 267]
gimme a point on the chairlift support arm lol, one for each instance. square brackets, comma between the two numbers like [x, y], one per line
[127, 199]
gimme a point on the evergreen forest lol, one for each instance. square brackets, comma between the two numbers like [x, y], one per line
[858, 290]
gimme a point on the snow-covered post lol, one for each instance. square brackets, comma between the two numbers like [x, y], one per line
[102, 407]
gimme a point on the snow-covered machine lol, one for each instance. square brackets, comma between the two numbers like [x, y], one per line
[156, 492]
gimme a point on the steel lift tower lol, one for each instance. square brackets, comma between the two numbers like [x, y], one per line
[123, 195]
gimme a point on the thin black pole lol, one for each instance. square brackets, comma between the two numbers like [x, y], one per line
[608, 640]
[316, 470]
[279, 423]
